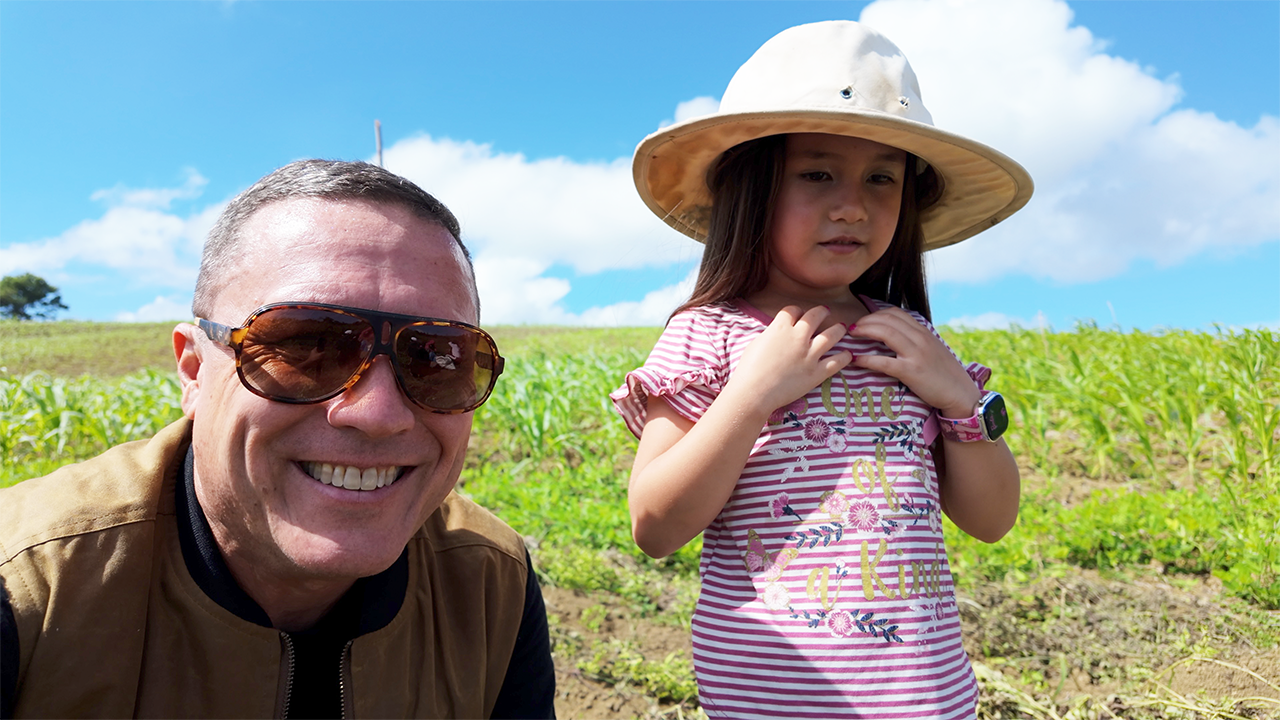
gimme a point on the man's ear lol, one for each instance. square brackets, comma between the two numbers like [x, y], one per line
[187, 351]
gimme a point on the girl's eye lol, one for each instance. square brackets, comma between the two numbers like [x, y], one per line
[816, 175]
[881, 179]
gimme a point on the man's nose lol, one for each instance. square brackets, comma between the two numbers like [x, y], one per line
[375, 405]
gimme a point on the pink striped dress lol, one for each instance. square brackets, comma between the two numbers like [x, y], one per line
[826, 591]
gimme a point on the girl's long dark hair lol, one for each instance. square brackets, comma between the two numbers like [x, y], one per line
[744, 185]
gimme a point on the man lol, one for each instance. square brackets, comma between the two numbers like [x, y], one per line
[292, 547]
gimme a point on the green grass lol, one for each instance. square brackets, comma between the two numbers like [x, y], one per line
[72, 348]
[1184, 425]
[1175, 437]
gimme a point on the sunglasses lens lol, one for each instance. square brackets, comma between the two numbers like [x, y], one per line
[445, 367]
[303, 354]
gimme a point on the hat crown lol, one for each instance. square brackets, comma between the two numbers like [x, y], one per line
[829, 66]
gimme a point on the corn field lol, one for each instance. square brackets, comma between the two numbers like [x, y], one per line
[1140, 453]
[1180, 430]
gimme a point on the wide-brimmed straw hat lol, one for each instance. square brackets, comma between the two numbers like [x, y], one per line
[841, 78]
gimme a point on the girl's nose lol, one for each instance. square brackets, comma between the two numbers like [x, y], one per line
[849, 205]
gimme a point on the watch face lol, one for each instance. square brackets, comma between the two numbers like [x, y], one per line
[995, 417]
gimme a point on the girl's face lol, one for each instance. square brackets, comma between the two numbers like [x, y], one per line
[836, 213]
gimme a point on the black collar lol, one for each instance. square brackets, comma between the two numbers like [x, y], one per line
[369, 605]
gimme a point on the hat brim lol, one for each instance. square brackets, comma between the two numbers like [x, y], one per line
[981, 186]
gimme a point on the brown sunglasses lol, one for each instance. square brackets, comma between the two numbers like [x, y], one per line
[311, 352]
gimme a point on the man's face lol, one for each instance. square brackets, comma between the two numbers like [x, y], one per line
[254, 458]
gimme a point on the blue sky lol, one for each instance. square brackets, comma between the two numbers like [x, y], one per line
[1152, 129]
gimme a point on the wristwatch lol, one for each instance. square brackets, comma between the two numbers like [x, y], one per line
[990, 420]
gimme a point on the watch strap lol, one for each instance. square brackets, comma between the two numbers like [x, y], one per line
[979, 426]
[964, 430]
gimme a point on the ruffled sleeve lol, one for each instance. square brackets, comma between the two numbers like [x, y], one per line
[688, 368]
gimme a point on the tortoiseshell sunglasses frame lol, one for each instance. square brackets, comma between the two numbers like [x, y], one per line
[233, 337]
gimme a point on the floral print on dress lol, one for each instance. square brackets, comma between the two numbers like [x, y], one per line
[906, 436]
[833, 503]
[863, 515]
[815, 433]
[776, 597]
[921, 510]
[839, 622]
[794, 450]
[779, 507]
[935, 611]
[837, 514]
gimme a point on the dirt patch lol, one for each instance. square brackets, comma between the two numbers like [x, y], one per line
[1214, 678]
[584, 624]
[1058, 639]
[1086, 634]
[1071, 490]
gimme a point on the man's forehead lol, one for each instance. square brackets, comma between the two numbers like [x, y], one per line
[300, 215]
[355, 252]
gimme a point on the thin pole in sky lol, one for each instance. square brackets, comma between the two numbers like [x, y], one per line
[377, 139]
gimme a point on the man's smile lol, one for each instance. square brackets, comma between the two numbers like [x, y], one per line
[352, 477]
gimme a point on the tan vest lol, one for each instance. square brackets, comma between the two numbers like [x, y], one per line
[111, 623]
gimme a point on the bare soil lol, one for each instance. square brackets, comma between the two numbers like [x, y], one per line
[1058, 639]
[1084, 634]
[1062, 638]
[579, 695]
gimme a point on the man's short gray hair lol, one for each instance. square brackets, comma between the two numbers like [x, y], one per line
[327, 179]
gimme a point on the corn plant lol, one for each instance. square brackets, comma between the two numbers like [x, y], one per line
[1183, 426]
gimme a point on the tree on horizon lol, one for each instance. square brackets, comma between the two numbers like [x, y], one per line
[28, 297]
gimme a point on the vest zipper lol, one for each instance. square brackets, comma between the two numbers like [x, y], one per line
[288, 683]
[343, 669]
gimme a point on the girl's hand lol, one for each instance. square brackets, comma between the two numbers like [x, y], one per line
[685, 472]
[788, 359]
[923, 362]
[981, 486]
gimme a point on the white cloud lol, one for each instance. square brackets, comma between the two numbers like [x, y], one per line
[697, 107]
[653, 310]
[136, 237]
[154, 198]
[512, 292]
[998, 321]
[146, 244]
[1120, 174]
[519, 217]
[172, 307]
[1273, 326]
[584, 215]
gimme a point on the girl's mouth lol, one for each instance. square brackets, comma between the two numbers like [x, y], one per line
[841, 242]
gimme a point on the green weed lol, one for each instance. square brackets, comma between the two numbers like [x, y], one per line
[1181, 430]
[669, 679]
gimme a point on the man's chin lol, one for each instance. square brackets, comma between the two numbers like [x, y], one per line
[344, 556]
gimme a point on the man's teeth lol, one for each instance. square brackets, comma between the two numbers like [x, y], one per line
[351, 477]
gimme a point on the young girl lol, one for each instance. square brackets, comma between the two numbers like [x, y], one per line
[800, 411]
